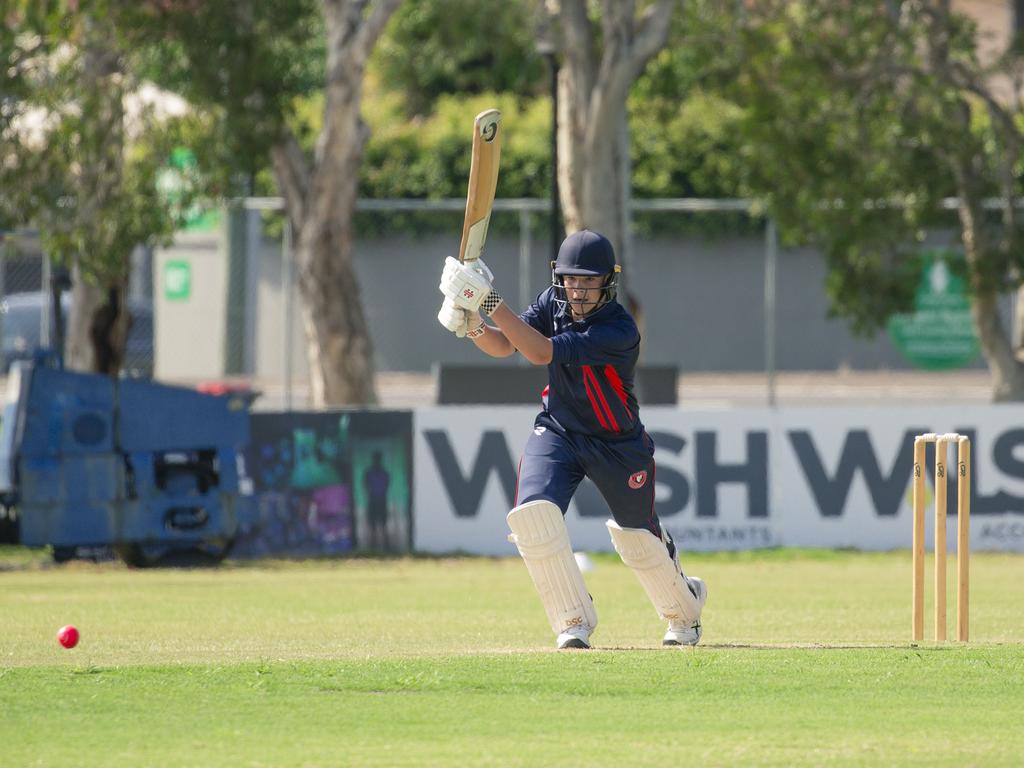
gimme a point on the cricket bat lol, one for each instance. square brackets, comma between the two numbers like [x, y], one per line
[483, 179]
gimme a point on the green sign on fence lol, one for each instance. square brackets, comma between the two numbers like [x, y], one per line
[177, 280]
[939, 334]
[177, 183]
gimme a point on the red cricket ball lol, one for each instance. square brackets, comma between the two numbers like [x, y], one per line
[67, 636]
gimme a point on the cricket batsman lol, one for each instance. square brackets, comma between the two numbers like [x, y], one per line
[590, 427]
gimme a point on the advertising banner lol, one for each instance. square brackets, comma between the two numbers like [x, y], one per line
[733, 479]
[329, 483]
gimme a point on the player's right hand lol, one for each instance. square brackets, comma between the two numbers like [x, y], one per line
[459, 321]
[452, 318]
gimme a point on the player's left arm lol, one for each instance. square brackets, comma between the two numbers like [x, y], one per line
[534, 346]
[491, 341]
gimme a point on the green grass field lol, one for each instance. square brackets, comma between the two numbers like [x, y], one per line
[805, 660]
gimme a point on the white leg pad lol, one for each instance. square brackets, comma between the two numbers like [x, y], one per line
[539, 532]
[658, 573]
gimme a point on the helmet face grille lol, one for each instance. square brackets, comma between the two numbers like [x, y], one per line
[590, 254]
[609, 290]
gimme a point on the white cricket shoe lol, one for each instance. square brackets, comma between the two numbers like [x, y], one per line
[574, 637]
[688, 634]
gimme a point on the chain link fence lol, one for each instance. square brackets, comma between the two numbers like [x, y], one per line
[26, 304]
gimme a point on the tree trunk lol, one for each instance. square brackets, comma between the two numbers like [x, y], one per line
[85, 301]
[98, 326]
[1007, 372]
[98, 321]
[320, 201]
[967, 164]
[1018, 324]
[108, 331]
[593, 128]
[592, 93]
[338, 345]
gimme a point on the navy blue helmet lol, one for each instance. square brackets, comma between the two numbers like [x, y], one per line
[585, 253]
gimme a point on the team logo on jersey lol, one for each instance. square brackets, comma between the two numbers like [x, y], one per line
[637, 479]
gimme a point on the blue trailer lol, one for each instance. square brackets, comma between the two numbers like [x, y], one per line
[154, 471]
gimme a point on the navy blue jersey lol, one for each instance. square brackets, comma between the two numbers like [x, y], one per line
[590, 376]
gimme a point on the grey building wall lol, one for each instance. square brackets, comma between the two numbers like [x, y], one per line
[702, 305]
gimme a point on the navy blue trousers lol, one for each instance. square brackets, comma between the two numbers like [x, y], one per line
[555, 462]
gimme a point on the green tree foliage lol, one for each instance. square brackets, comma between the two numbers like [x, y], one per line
[243, 64]
[844, 137]
[76, 163]
[81, 151]
[437, 48]
[689, 151]
[429, 157]
[438, 61]
[858, 119]
[442, 59]
[685, 131]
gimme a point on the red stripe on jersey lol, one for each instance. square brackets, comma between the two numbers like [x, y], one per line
[519, 471]
[613, 378]
[590, 396]
[600, 395]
